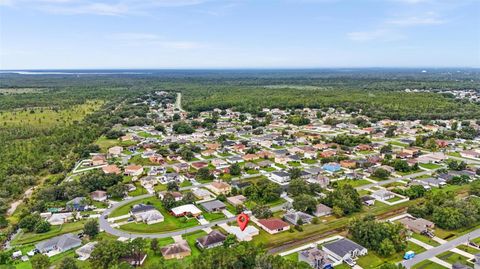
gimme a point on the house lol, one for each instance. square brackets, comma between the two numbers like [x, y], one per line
[436, 157]
[280, 176]
[417, 225]
[178, 196]
[322, 210]
[315, 257]
[236, 200]
[297, 217]
[171, 177]
[134, 260]
[177, 250]
[133, 170]
[115, 151]
[214, 206]
[146, 213]
[199, 165]
[332, 167]
[214, 239]
[98, 195]
[77, 204]
[435, 182]
[273, 225]
[265, 163]
[234, 159]
[351, 164]
[85, 251]
[251, 166]
[250, 157]
[99, 160]
[383, 195]
[186, 210]
[245, 235]
[202, 194]
[59, 244]
[111, 169]
[344, 250]
[368, 200]
[470, 154]
[180, 167]
[219, 163]
[219, 187]
[59, 218]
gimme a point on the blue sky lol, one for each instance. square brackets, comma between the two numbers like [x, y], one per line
[49, 34]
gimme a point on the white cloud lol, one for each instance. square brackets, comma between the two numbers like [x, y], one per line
[375, 35]
[430, 18]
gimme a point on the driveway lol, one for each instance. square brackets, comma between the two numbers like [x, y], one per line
[107, 227]
[433, 252]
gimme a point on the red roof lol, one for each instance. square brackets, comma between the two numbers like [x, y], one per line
[273, 223]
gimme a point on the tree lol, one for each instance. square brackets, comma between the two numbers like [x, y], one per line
[381, 173]
[117, 191]
[431, 144]
[68, 263]
[262, 212]
[187, 154]
[188, 197]
[297, 186]
[204, 174]
[235, 169]
[305, 203]
[29, 222]
[386, 248]
[136, 249]
[91, 228]
[168, 201]
[107, 254]
[295, 173]
[475, 188]
[154, 245]
[182, 128]
[160, 128]
[230, 240]
[42, 227]
[172, 186]
[40, 261]
[345, 198]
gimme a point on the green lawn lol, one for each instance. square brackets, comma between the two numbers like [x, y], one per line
[427, 265]
[394, 199]
[396, 143]
[309, 161]
[170, 223]
[28, 238]
[294, 164]
[425, 239]
[213, 216]
[373, 260]
[452, 258]
[468, 249]
[292, 257]
[353, 183]
[430, 165]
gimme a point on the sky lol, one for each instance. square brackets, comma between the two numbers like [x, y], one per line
[94, 34]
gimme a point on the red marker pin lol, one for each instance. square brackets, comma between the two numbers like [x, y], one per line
[242, 221]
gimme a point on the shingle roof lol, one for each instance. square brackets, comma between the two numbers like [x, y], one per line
[212, 238]
[342, 247]
[175, 248]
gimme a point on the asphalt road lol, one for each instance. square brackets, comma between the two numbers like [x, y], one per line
[440, 249]
[106, 226]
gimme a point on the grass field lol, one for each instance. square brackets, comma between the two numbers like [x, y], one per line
[28, 238]
[353, 183]
[428, 265]
[170, 223]
[373, 260]
[425, 239]
[452, 258]
[430, 165]
[46, 117]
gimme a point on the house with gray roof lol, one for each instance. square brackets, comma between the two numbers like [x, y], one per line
[344, 250]
[315, 257]
[214, 206]
[59, 243]
[211, 240]
[294, 216]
